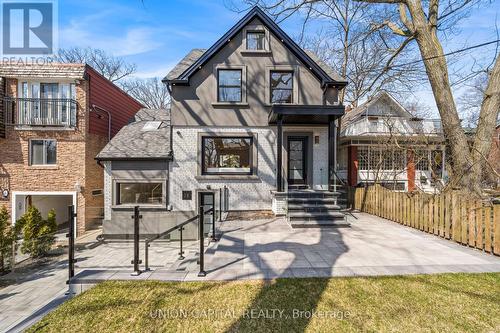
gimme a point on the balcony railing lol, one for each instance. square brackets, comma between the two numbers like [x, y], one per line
[47, 112]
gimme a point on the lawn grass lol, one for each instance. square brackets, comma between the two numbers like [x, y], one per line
[419, 303]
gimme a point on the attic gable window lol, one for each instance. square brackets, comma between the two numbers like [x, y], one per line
[229, 85]
[256, 40]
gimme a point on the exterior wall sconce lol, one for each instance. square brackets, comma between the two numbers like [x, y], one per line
[78, 187]
[316, 139]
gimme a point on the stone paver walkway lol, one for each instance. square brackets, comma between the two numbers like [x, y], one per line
[262, 249]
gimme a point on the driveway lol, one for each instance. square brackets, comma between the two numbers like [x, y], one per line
[258, 249]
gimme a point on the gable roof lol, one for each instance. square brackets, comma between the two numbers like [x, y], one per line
[195, 59]
[136, 142]
[364, 109]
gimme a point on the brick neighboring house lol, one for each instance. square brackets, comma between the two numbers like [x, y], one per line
[54, 119]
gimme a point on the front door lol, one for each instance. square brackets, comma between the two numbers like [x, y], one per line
[207, 200]
[297, 160]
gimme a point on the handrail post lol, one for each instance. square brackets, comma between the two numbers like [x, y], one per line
[220, 204]
[71, 243]
[214, 239]
[136, 260]
[146, 255]
[181, 252]
[202, 245]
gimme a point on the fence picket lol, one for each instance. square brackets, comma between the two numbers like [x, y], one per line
[496, 229]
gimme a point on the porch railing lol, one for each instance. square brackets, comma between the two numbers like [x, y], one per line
[40, 112]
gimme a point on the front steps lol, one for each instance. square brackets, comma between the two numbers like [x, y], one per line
[314, 209]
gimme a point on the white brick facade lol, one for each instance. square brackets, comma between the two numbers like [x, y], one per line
[108, 190]
[244, 194]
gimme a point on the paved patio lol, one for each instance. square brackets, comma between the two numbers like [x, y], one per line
[266, 249]
[262, 249]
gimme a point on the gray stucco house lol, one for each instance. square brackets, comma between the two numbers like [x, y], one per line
[253, 123]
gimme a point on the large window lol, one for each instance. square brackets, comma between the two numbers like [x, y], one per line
[43, 152]
[139, 193]
[422, 160]
[227, 155]
[229, 85]
[256, 40]
[281, 87]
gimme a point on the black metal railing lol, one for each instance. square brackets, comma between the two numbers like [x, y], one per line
[179, 227]
[40, 112]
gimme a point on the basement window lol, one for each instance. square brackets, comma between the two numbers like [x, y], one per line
[139, 193]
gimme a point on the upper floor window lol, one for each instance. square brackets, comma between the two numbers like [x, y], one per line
[43, 152]
[229, 85]
[256, 40]
[281, 87]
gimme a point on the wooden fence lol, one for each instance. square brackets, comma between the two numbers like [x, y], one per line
[449, 215]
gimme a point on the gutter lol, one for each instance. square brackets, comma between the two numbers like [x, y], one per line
[95, 108]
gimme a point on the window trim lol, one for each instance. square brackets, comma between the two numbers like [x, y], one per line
[251, 157]
[240, 86]
[292, 89]
[30, 153]
[116, 193]
[267, 40]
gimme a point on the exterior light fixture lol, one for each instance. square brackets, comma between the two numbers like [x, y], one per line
[78, 187]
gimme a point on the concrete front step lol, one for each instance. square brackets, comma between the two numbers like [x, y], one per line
[312, 194]
[328, 215]
[313, 207]
[319, 224]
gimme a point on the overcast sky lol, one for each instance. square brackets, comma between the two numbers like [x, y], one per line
[157, 34]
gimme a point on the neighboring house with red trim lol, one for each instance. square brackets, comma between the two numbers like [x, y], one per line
[382, 142]
[54, 119]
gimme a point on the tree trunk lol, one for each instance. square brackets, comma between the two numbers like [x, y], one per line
[437, 72]
[487, 121]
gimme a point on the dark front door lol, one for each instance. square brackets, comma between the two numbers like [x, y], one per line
[207, 200]
[297, 160]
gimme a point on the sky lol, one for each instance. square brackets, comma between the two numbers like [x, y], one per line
[155, 34]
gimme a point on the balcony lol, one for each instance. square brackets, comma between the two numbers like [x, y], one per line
[40, 112]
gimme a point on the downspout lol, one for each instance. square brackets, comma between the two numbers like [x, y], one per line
[96, 108]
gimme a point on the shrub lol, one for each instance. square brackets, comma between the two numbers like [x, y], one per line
[7, 237]
[38, 234]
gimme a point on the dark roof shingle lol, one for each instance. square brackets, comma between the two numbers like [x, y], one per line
[134, 141]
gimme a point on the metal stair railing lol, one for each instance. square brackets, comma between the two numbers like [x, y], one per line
[179, 227]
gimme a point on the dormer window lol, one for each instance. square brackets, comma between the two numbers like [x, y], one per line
[256, 40]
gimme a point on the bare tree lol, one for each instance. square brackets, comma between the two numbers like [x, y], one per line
[112, 68]
[151, 92]
[421, 20]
